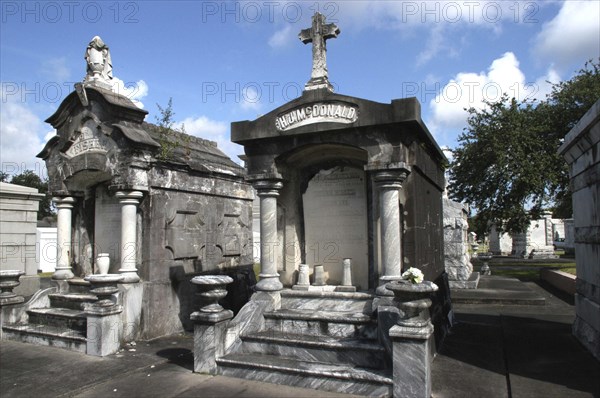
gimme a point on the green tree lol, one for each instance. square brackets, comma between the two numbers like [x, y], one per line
[29, 179]
[507, 166]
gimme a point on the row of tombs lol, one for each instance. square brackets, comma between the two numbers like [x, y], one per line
[337, 177]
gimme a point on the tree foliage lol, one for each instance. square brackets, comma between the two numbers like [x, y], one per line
[29, 179]
[169, 139]
[507, 166]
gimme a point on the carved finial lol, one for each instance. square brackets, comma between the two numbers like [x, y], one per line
[99, 64]
[317, 35]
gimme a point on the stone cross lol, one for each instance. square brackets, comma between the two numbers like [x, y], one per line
[317, 35]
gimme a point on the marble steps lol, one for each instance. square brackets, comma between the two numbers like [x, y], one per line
[52, 336]
[322, 323]
[350, 351]
[79, 285]
[74, 301]
[59, 317]
[327, 300]
[308, 374]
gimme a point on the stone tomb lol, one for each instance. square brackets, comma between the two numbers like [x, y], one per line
[164, 205]
[581, 149]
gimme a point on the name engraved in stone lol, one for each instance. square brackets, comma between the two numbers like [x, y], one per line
[320, 112]
[87, 145]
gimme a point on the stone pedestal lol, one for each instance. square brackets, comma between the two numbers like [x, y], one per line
[64, 206]
[346, 285]
[412, 339]
[104, 326]
[303, 278]
[9, 279]
[210, 322]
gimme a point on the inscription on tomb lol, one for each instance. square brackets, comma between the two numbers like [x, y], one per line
[320, 112]
[335, 215]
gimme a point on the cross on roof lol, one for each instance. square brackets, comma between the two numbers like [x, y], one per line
[317, 35]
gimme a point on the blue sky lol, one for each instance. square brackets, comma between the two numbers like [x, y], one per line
[228, 61]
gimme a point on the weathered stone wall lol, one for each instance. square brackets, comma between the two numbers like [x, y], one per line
[581, 149]
[199, 225]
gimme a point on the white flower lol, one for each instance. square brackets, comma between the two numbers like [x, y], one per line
[414, 275]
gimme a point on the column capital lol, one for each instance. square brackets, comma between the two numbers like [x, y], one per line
[63, 202]
[268, 187]
[129, 197]
[391, 175]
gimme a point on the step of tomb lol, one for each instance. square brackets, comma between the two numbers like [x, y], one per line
[79, 285]
[322, 323]
[327, 300]
[59, 317]
[74, 301]
[46, 335]
[352, 351]
[307, 374]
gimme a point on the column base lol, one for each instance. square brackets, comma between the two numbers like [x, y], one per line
[129, 276]
[63, 274]
[268, 284]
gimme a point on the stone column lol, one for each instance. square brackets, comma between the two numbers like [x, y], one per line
[64, 205]
[129, 201]
[389, 182]
[268, 190]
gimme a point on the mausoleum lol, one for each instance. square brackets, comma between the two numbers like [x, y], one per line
[157, 205]
[350, 196]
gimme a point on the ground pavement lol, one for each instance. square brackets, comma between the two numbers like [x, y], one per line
[494, 350]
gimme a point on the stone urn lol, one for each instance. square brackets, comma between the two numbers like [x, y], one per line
[104, 287]
[414, 300]
[211, 289]
[103, 263]
[485, 258]
[9, 279]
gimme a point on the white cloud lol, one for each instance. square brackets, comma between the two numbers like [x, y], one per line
[213, 130]
[20, 131]
[470, 89]
[56, 69]
[573, 36]
[135, 91]
[282, 37]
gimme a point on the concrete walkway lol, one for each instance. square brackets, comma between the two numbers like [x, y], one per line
[493, 351]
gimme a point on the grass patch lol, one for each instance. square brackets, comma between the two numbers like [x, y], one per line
[569, 270]
[523, 275]
[45, 274]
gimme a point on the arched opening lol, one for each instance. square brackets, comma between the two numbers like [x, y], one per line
[326, 200]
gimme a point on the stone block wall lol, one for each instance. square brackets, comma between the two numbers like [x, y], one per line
[581, 149]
